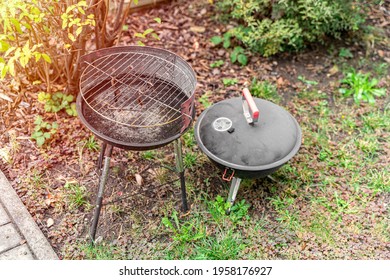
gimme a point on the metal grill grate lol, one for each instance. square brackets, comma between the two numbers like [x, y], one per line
[135, 88]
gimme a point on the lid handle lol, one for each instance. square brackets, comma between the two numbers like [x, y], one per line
[251, 112]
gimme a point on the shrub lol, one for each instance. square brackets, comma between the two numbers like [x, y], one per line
[45, 39]
[269, 27]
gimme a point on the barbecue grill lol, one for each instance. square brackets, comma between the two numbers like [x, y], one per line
[135, 98]
[247, 137]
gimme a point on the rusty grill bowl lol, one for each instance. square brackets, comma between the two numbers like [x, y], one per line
[136, 98]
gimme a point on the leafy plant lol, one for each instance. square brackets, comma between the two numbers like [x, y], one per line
[345, 53]
[361, 87]
[43, 131]
[238, 212]
[148, 32]
[305, 81]
[77, 195]
[264, 89]
[217, 64]
[269, 27]
[238, 54]
[189, 159]
[92, 144]
[204, 99]
[183, 232]
[148, 155]
[45, 39]
[57, 102]
[225, 246]
[229, 81]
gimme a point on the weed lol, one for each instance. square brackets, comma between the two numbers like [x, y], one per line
[189, 139]
[102, 252]
[264, 89]
[238, 212]
[77, 195]
[57, 102]
[378, 180]
[43, 131]
[345, 53]
[286, 213]
[229, 81]
[217, 64]
[148, 155]
[307, 82]
[361, 87]
[184, 232]
[224, 246]
[91, 144]
[204, 99]
[238, 54]
[190, 160]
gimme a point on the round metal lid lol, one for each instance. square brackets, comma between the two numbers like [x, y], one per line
[223, 134]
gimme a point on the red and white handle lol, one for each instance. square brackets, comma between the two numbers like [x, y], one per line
[251, 112]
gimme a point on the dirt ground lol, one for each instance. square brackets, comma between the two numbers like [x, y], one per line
[132, 214]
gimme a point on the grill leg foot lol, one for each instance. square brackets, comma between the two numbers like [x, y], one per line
[99, 199]
[180, 170]
[235, 185]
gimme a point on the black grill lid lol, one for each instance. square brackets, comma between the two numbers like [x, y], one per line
[224, 135]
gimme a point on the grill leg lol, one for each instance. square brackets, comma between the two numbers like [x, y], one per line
[102, 183]
[101, 155]
[180, 170]
[233, 192]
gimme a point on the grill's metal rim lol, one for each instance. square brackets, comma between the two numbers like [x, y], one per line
[144, 50]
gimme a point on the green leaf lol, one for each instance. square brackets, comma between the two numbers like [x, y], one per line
[38, 120]
[242, 59]
[4, 71]
[233, 57]
[46, 58]
[157, 19]
[155, 36]
[226, 43]
[216, 40]
[148, 31]
[139, 43]
[135, 2]
[47, 135]
[139, 35]
[40, 141]
[54, 125]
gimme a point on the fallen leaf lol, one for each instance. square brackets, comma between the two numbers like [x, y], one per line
[139, 179]
[198, 29]
[49, 222]
[5, 97]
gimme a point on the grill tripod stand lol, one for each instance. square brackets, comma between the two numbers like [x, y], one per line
[105, 155]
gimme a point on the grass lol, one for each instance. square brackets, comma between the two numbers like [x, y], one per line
[77, 196]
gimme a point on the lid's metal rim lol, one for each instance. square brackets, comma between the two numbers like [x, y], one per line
[249, 167]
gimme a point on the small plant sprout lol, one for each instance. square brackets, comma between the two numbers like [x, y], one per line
[43, 131]
[217, 64]
[361, 87]
[229, 81]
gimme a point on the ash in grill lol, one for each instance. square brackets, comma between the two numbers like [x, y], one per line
[135, 98]
[135, 117]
